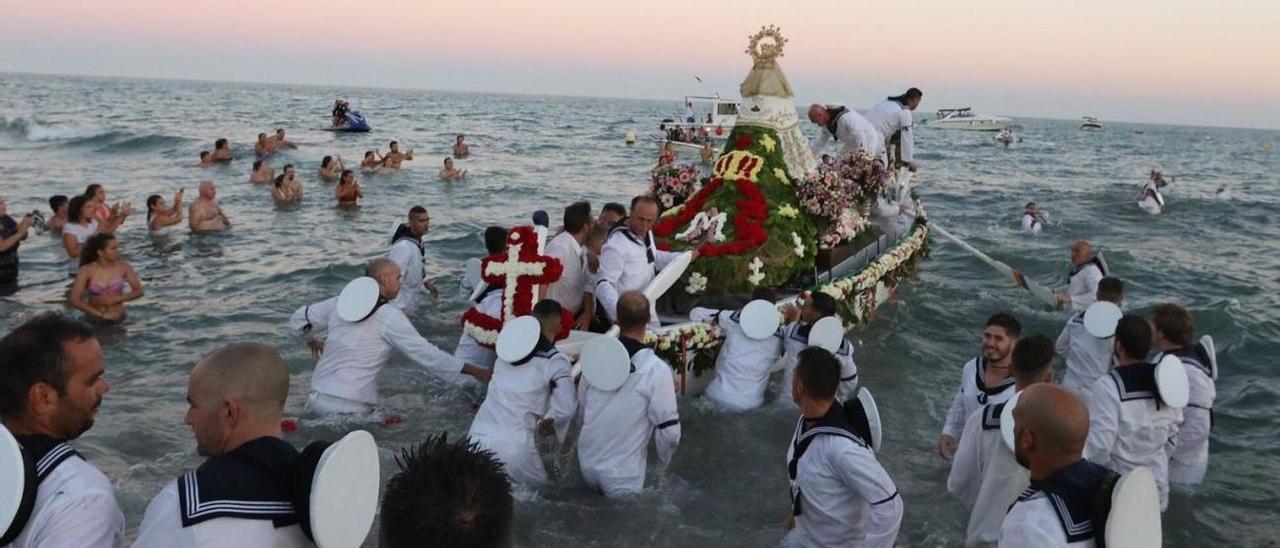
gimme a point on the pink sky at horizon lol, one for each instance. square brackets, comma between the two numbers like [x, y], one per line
[1176, 61]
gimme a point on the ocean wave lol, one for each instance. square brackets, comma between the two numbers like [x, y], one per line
[37, 132]
[144, 143]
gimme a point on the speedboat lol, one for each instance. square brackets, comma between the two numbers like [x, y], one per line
[712, 113]
[964, 118]
[1090, 124]
[355, 123]
[1007, 136]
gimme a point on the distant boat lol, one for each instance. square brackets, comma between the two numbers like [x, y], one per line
[718, 119]
[964, 118]
[1090, 124]
[1007, 136]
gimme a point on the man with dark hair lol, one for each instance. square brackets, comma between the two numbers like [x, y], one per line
[1173, 332]
[1060, 506]
[1087, 357]
[795, 338]
[407, 250]
[617, 425]
[447, 495]
[353, 352]
[487, 301]
[12, 233]
[222, 151]
[393, 157]
[892, 118]
[984, 380]
[460, 148]
[571, 290]
[631, 258]
[51, 385]
[521, 393]
[743, 363]
[611, 213]
[984, 474]
[1082, 282]
[236, 396]
[1129, 425]
[58, 204]
[840, 495]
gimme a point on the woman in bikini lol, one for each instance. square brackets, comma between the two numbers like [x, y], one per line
[105, 281]
[348, 190]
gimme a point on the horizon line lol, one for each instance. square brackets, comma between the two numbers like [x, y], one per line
[561, 95]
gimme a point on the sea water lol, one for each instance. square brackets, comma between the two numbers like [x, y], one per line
[1215, 253]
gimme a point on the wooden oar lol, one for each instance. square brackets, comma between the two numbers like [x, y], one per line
[1041, 292]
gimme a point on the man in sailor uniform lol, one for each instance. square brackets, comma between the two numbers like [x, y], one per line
[892, 117]
[848, 127]
[51, 385]
[488, 302]
[840, 494]
[743, 365]
[795, 338]
[985, 379]
[630, 259]
[1031, 220]
[345, 379]
[1088, 358]
[1082, 281]
[984, 475]
[1129, 423]
[407, 252]
[519, 396]
[1056, 510]
[617, 425]
[243, 490]
[1172, 333]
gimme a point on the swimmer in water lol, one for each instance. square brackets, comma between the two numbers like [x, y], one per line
[279, 141]
[265, 147]
[160, 216]
[262, 172]
[372, 161]
[204, 214]
[449, 173]
[206, 159]
[222, 151]
[461, 149]
[394, 156]
[348, 191]
[330, 168]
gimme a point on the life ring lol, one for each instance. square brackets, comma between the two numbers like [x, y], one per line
[720, 130]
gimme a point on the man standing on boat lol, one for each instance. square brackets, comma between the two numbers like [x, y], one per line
[1082, 284]
[630, 258]
[892, 118]
[850, 128]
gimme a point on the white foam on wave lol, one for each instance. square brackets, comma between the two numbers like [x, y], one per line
[39, 132]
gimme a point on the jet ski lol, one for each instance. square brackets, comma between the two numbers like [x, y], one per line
[355, 123]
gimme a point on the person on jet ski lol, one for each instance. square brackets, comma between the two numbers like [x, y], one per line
[340, 108]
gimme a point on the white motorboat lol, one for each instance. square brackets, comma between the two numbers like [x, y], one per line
[1090, 124]
[964, 118]
[705, 118]
[1007, 136]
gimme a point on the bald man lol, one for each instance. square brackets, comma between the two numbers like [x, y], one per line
[852, 130]
[1050, 428]
[236, 396]
[352, 354]
[204, 214]
[1082, 282]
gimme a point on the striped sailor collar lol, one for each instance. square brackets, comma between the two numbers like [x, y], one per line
[1136, 381]
[1074, 492]
[253, 481]
[981, 367]
[47, 452]
[991, 415]
[1196, 355]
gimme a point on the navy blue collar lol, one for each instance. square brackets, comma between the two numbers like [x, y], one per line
[1080, 495]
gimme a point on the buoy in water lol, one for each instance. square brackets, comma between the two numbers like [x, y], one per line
[1267, 146]
[630, 138]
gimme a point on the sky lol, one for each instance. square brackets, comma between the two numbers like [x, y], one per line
[1160, 61]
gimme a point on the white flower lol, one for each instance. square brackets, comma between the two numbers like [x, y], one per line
[697, 283]
[799, 244]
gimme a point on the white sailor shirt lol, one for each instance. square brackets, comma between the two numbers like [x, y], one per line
[1058, 512]
[355, 352]
[626, 264]
[890, 117]
[854, 132]
[407, 252]
[795, 338]
[841, 495]
[616, 426]
[743, 365]
[75, 504]
[469, 350]
[1082, 285]
[517, 399]
[1189, 448]
[572, 285]
[1088, 358]
[985, 475]
[1129, 426]
[972, 394]
[1030, 223]
[238, 505]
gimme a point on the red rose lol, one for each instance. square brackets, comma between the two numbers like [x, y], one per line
[743, 141]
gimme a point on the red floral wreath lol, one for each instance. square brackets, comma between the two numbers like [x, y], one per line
[748, 224]
[521, 289]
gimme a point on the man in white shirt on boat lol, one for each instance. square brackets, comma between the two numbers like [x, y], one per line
[840, 494]
[519, 397]
[846, 126]
[616, 425]
[407, 252]
[631, 258]
[51, 385]
[795, 338]
[985, 379]
[985, 476]
[1088, 358]
[1129, 422]
[1082, 284]
[571, 290]
[1173, 332]
[744, 362]
[354, 351]
[892, 117]
[236, 397]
